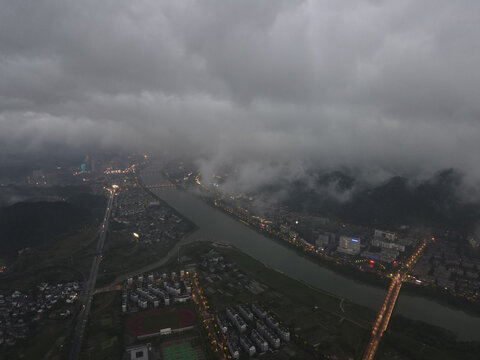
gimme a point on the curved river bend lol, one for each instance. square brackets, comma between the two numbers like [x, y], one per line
[214, 224]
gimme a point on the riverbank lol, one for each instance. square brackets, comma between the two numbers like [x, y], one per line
[342, 268]
[444, 297]
[122, 256]
[193, 226]
[213, 224]
[334, 325]
[434, 293]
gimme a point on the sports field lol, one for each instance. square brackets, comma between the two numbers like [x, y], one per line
[161, 321]
[181, 350]
[151, 322]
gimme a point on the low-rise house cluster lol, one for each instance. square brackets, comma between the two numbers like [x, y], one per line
[19, 312]
[150, 221]
[443, 266]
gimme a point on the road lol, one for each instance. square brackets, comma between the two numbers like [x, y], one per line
[208, 320]
[383, 317]
[86, 295]
[172, 253]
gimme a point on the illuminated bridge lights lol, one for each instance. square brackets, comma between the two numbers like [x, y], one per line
[383, 318]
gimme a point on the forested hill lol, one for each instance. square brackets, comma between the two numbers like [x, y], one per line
[29, 224]
[397, 201]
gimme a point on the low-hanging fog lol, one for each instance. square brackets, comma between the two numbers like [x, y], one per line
[275, 87]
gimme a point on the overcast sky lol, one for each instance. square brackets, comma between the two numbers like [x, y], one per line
[393, 85]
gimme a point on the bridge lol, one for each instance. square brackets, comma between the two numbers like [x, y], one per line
[161, 186]
[383, 317]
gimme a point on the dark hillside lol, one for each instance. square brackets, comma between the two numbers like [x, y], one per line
[395, 202]
[29, 224]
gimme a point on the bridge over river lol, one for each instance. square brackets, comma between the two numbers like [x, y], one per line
[383, 317]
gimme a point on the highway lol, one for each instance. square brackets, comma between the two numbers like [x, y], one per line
[89, 286]
[383, 317]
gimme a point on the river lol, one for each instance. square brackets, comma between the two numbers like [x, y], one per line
[214, 224]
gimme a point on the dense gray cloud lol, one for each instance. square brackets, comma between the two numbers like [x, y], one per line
[389, 85]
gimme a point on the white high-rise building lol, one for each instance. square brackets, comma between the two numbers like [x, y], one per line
[349, 245]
